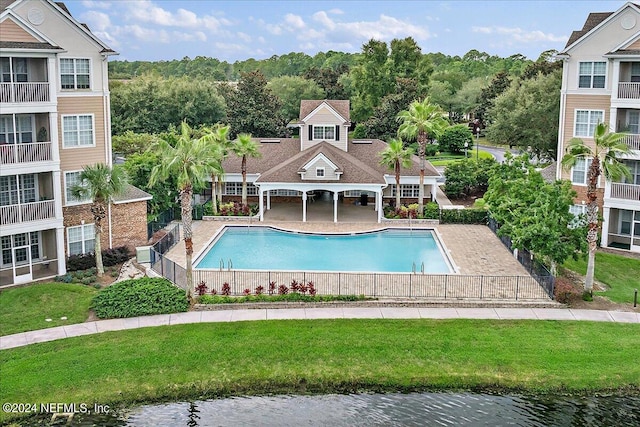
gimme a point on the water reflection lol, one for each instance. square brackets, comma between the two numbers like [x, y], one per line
[415, 409]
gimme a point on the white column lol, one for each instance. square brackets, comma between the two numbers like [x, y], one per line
[434, 191]
[304, 206]
[379, 202]
[62, 266]
[335, 206]
[56, 177]
[268, 199]
[615, 81]
[262, 204]
[604, 241]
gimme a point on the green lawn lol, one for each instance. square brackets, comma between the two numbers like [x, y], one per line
[26, 308]
[446, 158]
[621, 274]
[319, 356]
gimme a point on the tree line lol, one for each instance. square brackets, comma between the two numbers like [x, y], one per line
[517, 99]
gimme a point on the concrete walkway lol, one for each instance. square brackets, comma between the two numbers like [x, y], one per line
[238, 315]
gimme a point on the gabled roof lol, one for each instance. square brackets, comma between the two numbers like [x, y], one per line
[132, 194]
[28, 45]
[341, 107]
[594, 21]
[64, 11]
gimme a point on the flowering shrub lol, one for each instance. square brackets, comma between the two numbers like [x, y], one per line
[226, 289]
[246, 292]
[201, 289]
[259, 290]
[272, 287]
[283, 290]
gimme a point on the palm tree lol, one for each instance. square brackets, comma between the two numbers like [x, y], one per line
[395, 157]
[191, 162]
[421, 121]
[100, 183]
[244, 147]
[219, 140]
[604, 160]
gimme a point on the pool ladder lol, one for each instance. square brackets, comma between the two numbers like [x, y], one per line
[413, 268]
[229, 264]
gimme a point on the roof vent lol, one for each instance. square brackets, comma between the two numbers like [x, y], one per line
[362, 141]
[270, 141]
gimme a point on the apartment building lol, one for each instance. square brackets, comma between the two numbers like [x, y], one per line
[54, 120]
[601, 83]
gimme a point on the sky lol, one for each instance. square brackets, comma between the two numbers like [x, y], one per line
[153, 30]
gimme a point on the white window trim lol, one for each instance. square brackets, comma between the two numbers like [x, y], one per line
[75, 82]
[72, 202]
[12, 246]
[93, 129]
[324, 126]
[575, 120]
[586, 172]
[606, 76]
[320, 172]
[619, 230]
[82, 226]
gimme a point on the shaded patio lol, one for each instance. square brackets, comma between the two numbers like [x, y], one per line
[321, 210]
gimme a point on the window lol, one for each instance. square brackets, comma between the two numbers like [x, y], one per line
[633, 122]
[319, 172]
[81, 239]
[70, 180]
[327, 133]
[579, 171]
[24, 133]
[9, 189]
[407, 190]
[579, 212]
[282, 192]
[634, 169]
[586, 121]
[74, 73]
[22, 241]
[235, 189]
[635, 72]
[77, 131]
[624, 222]
[592, 75]
[16, 67]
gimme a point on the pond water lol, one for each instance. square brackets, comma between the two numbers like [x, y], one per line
[393, 409]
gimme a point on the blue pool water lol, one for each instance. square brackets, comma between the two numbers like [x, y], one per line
[263, 248]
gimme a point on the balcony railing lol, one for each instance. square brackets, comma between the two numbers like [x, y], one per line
[625, 191]
[24, 92]
[628, 90]
[632, 140]
[25, 153]
[36, 211]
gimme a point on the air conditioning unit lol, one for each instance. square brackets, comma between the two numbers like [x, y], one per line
[143, 254]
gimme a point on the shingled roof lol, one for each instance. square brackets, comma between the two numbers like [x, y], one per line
[593, 20]
[341, 107]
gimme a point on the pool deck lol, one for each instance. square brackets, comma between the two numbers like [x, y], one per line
[474, 249]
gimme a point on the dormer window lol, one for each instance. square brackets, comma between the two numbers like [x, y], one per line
[320, 172]
[322, 132]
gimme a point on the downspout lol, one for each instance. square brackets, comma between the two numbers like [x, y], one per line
[107, 131]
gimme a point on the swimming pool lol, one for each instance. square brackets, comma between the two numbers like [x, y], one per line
[267, 248]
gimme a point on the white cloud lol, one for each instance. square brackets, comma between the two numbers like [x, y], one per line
[91, 4]
[244, 37]
[97, 21]
[520, 35]
[294, 21]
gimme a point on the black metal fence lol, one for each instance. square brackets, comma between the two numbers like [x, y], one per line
[168, 241]
[527, 259]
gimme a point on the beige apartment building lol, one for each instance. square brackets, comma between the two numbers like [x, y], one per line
[54, 120]
[601, 83]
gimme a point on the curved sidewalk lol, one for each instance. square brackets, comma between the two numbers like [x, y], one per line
[238, 315]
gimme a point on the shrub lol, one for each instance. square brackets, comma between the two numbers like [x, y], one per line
[292, 297]
[454, 137]
[110, 257]
[201, 289]
[464, 216]
[259, 290]
[139, 297]
[226, 289]
[431, 210]
[431, 150]
[564, 292]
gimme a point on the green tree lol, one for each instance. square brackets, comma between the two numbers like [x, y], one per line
[149, 104]
[499, 84]
[293, 89]
[132, 143]
[328, 78]
[420, 122]
[396, 157]
[533, 213]
[244, 147]
[191, 162]
[454, 138]
[601, 159]
[526, 115]
[468, 176]
[218, 139]
[100, 183]
[138, 167]
[253, 108]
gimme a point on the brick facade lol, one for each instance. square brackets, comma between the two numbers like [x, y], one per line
[581, 196]
[129, 222]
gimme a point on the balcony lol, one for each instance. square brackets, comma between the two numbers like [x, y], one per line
[24, 92]
[625, 191]
[25, 153]
[627, 90]
[632, 140]
[26, 212]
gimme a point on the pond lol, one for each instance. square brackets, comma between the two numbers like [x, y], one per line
[393, 409]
